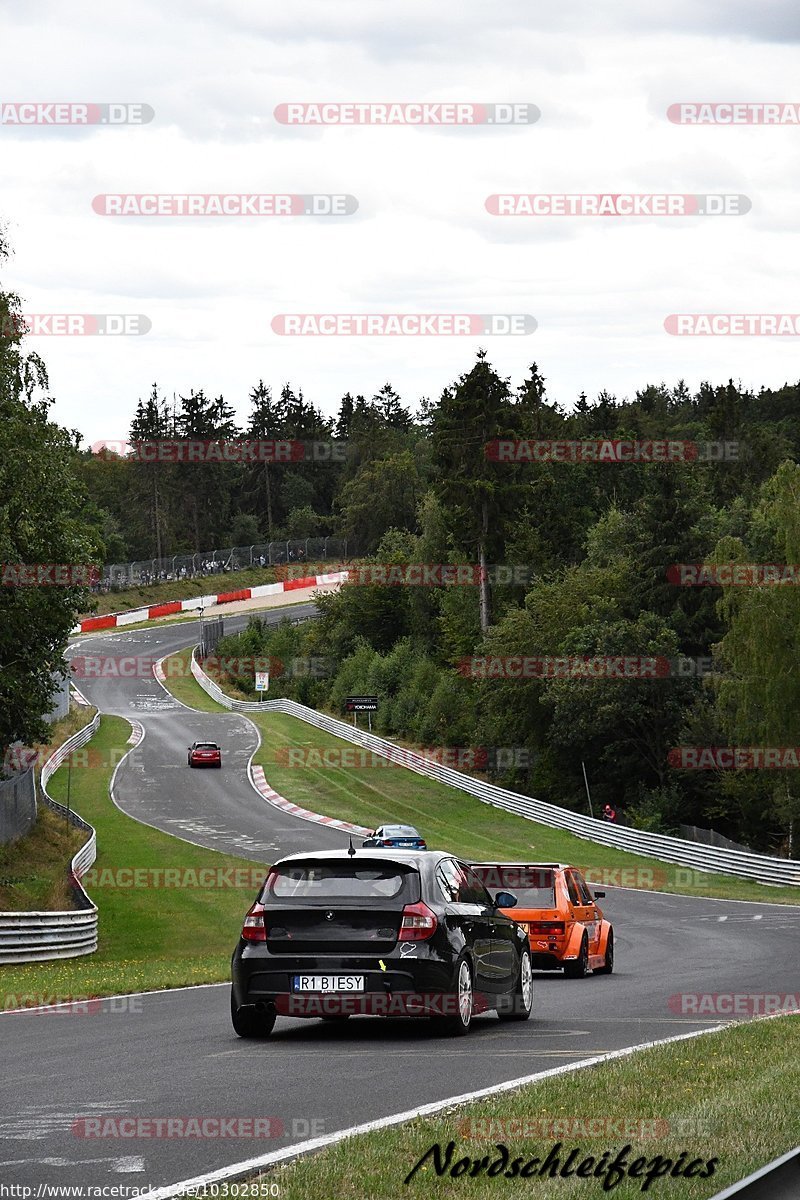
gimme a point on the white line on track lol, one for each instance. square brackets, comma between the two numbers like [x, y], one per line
[188, 987]
[251, 1165]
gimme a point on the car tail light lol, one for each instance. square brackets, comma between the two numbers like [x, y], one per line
[546, 927]
[418, 923]
[254, 928]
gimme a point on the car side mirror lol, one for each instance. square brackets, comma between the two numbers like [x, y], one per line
[599, 895]
[505, 900]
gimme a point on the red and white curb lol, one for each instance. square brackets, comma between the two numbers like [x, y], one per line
[263, 788]
[137, 732]
[154, 611]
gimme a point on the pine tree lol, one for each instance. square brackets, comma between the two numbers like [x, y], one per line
[266, 423]
[476, 492]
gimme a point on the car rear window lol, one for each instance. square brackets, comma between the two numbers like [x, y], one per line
[207, 746]
[400, 831]
[534, 887]
[319, 882]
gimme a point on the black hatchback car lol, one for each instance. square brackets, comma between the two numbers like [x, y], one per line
[378, 933]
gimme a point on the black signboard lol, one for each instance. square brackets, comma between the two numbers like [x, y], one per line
[356, 704]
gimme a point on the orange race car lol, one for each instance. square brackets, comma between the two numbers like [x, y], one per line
[566, 928]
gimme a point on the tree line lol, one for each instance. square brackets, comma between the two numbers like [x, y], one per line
[597, 541]
[590, 545]
[156, 509]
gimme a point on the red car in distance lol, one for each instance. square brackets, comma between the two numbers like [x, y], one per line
[204, 754]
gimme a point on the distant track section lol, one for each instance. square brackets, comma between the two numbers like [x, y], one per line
[154, 611]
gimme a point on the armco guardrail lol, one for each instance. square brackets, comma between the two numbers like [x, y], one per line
[38, 936]
[760, 867]
[216, 693]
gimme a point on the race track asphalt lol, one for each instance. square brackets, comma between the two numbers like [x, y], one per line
[174, 1054]
[214, 808]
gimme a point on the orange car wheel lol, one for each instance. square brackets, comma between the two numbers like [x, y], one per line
[579, 966]
[608, 965]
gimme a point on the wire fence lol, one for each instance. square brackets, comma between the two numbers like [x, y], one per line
[710, 837]
[60, 706]
[117, 576]
[17, 806]
[212, 632]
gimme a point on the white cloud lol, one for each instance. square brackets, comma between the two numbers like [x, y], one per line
[422, 239]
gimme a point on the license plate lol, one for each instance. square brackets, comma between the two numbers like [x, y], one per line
[327, 983]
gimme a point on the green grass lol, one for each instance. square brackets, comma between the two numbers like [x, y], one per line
[153, 933]
[184, 686]
[451, 819]
[693, 1096]
[34, 871]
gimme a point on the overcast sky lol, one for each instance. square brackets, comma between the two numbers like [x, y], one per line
[421, 240]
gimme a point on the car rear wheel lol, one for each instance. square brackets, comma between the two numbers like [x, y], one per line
[517, 1007]
[249, 1023]
[459, 1023]
[608, 965]
[580, 966]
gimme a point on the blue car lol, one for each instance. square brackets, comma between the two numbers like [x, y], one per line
[395, 837]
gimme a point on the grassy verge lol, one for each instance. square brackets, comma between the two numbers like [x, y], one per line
[325, 781]
[690, 1097]
[184, 686]
[34, 869]
[169, 911]
[181, 589]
